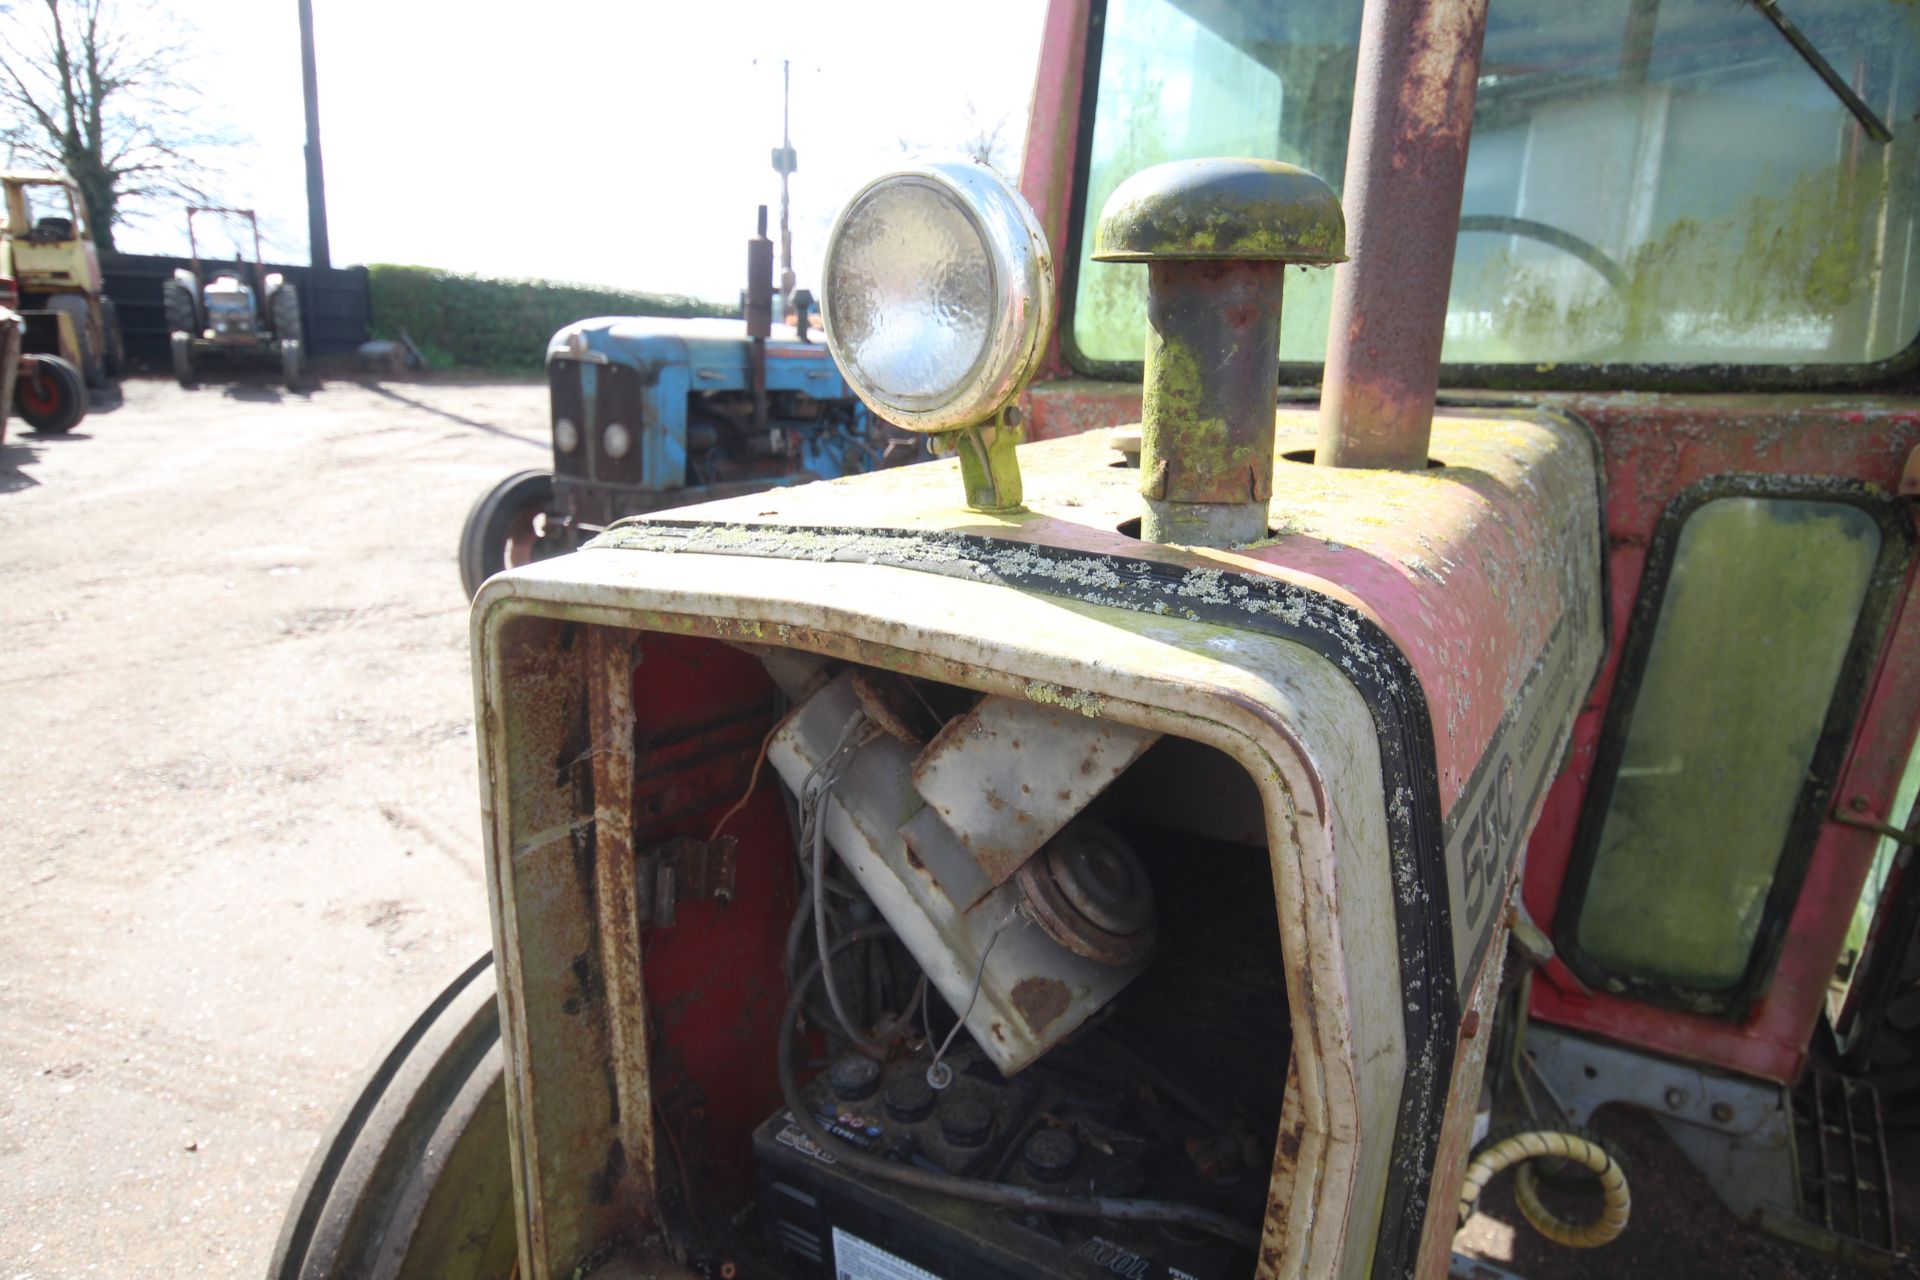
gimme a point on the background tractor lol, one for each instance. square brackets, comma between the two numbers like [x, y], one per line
[242, 313]
[50, 273]
[653, 413]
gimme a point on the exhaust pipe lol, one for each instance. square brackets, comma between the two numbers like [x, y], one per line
[1406, 162]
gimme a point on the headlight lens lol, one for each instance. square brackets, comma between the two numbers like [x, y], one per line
[912, 285]
[938, 292]
[616, 440]
[566, 436]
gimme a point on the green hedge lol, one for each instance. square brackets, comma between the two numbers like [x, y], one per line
[462, 321]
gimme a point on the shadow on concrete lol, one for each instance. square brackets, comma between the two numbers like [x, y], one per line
[14, 456]
[476, 424]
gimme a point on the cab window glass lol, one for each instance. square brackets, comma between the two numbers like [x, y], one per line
[1758, 614]
[1648, 183]
[49, 208]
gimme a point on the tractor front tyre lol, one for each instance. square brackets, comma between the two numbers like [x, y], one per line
[293, 363]
[183, 359]
[507, 528]
[51, 396]
[177, 301]
[414, 1179]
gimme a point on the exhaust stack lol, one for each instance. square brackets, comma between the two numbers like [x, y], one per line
[1216, 236]
[1406, 163]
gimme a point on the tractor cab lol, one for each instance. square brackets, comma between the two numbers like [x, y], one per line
[1411, 640]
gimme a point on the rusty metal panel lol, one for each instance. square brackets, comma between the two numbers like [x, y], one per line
[1419, 67]
[1256, 698]
[610, 663]
[1010, 773]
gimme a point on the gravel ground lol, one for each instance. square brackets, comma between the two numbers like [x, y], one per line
[238, 826]
[239, 833]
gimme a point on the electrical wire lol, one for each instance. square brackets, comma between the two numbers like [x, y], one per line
[994, 1193]
[816, 790]
[753, 780]
[939, 1075]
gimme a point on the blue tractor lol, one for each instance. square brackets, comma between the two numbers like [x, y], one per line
[652, 413]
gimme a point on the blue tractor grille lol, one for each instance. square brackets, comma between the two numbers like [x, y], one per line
[616, 401]
[569, 405]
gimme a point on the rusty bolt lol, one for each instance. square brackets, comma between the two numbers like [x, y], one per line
[1723, 1112]
[1216, 236]
[1859, 804]
[1676, 1098]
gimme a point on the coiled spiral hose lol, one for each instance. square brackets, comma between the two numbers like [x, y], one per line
[1509, 1147]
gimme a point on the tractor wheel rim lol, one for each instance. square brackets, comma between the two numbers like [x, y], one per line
[38, 394]
[522, 536]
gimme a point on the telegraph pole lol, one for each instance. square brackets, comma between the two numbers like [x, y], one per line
[784, 163]
[319, 253]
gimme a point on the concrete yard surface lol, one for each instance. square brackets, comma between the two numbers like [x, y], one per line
[239, 830]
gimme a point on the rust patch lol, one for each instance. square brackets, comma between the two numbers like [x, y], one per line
[1040, 1001]
[1290, 1140]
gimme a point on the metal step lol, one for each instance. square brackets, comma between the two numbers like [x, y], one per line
[1846, 1177]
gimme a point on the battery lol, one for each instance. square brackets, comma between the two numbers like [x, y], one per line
[1033, 1132]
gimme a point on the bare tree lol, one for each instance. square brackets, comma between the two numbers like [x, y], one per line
[98, 88]
[982, 139]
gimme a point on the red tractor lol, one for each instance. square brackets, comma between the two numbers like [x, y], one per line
[1292, 764]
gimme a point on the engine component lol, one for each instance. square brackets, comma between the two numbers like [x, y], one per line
[1011, 773]
[1088, 890]
[1024, 987]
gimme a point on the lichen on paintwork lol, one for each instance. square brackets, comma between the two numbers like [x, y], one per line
[1086, 703]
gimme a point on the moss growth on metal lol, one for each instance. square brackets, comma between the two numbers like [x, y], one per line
[1172, 424]
[1090, 705]
[1225, 209]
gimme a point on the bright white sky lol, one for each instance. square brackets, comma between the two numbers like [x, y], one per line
[619, 142]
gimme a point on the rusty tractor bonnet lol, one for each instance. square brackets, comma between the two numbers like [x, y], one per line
[1217, 236]
[937, 301]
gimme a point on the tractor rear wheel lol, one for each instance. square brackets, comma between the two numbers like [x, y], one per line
[183, 358]
[507, 528]
[286, 314]
[415, 1178]
[177, 300]
[51, 396]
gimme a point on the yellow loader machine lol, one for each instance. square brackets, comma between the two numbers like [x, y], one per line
[50, 274]
[1159, 839]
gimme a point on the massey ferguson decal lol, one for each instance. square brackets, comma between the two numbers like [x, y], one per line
[1489, 824]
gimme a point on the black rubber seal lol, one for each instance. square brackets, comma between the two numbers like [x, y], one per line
[1341, 634]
